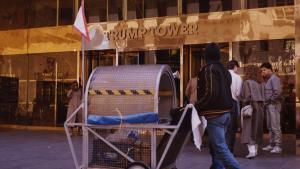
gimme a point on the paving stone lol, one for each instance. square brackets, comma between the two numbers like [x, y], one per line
[50, 150]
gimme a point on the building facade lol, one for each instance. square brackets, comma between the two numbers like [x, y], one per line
[40, 52]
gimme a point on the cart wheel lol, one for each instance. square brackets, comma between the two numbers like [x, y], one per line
[137, 165]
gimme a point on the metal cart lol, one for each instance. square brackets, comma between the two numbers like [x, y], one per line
[127, 119]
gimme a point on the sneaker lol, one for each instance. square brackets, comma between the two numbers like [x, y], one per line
[268, 148]
[276, 150]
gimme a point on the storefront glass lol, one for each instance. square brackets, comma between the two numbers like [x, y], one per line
[281, 54]
[33, 87]
[193, 60]
[97, 58]
[42, 13]
[135, 9]
[200, 6]
[267, 3]
[115, 10]
[96, 11]
[13, 14]
[159, 8]
[13, 89]
[66, 12]
[50, 76]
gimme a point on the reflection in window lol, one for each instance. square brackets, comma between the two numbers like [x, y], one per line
[13, 14]
[96, 10]
[158, 8]
[66, 12]
[137, 58]
[33, 87]
[50, 76]
[115, 10]
[13, 89]
[42, 13]
[135, 9]
[281, 54]
[267, 3]
[100, 58]
[204, 6]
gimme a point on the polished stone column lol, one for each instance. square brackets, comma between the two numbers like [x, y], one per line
[297, 59]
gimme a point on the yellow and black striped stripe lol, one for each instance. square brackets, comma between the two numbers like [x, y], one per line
[120, 92]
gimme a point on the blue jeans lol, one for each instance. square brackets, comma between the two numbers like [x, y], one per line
[221, 156]
[233, 126]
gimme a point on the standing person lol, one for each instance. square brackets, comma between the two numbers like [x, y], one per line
[74, 95]
[236, 86]
[252, 94]
[191, 90]
[215, 103]
[273, 90]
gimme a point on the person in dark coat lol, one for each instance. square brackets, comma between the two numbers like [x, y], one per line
[214, 101]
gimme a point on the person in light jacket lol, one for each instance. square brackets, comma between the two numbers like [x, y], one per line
[74, 95]
[236, 87]
[253, 94]
[273, 93]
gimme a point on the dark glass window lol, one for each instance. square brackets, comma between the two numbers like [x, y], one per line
[115, 10]
[49, 78]
[42, 13]
[13, 89]
[13, 14]
[204, 6]
[96, 10]
[66, 12]
[158, 8]
[135, 9]
[267, 3]
[99, 58]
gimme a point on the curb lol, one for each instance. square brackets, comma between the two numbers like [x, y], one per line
[31, 128]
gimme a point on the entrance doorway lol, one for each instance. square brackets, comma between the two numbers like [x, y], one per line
[193, 60]
[95, 58]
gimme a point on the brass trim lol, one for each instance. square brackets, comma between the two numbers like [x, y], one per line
[230, 51]
[181, 76]
[57, 12]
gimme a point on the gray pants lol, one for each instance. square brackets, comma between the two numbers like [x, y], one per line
[273, 123]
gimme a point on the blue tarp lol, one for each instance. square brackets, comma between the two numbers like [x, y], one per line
[149, 117]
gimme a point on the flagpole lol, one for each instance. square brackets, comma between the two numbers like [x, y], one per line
[81, 25]
[83, 65]
[84, 120]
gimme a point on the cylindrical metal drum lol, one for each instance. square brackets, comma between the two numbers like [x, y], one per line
[131, 89]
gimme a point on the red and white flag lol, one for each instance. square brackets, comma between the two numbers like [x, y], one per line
[80, 22]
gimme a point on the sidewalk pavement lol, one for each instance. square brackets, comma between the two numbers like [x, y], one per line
[49, 150]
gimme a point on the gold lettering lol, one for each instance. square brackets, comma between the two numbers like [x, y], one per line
[184, 29]
[132, 33]
[161, 31]
[142, 32]
[173, 30]
[192, 28]
[152, 30]
[113, 35]
[122, 34]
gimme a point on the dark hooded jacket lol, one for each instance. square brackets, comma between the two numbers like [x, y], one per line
[214, 81]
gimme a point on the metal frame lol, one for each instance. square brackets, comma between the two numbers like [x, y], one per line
[153, 127]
